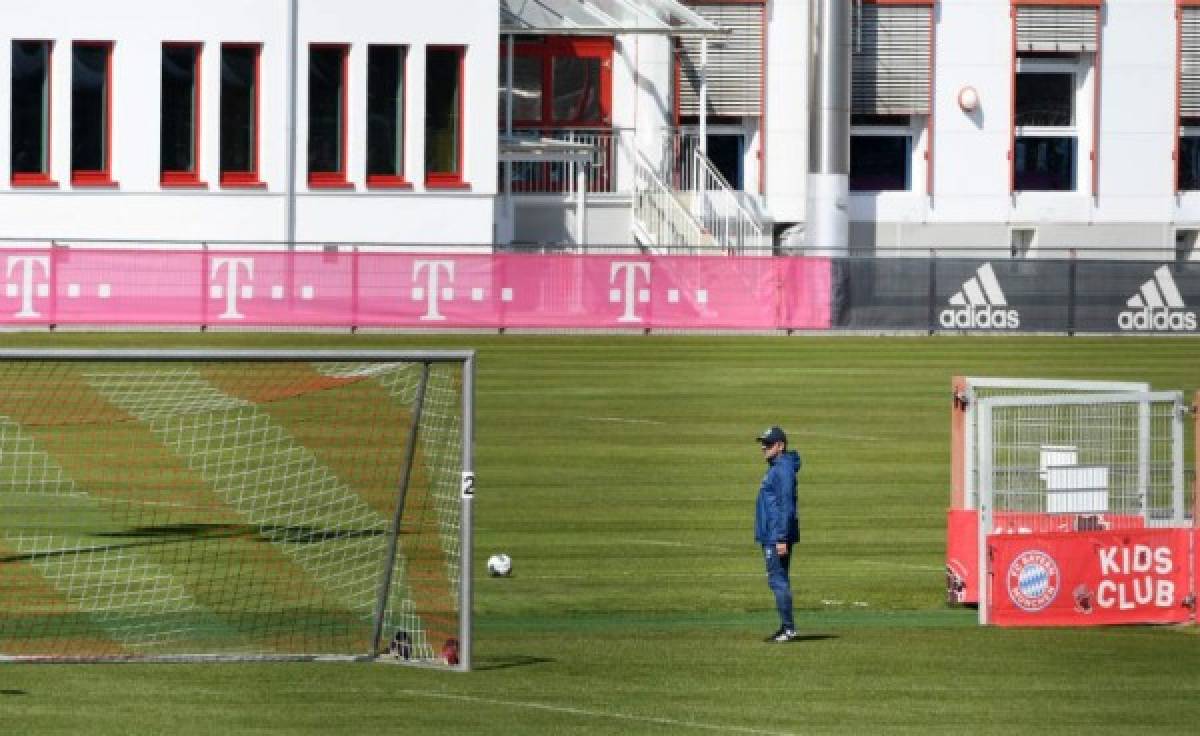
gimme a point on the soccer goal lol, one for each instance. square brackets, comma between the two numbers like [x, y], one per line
[196, 505]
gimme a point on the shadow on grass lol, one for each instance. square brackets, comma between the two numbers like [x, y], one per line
[812, 637]
[14, 692]
[504, 663]
[177, 533]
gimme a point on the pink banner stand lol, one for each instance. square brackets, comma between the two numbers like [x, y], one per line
[61, 286]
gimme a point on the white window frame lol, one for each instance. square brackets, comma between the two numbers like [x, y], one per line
[1081, 68]
[915, 132]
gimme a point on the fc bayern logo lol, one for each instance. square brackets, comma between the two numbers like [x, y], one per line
[1033, 581]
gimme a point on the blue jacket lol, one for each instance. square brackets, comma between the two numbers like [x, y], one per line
[775, 515]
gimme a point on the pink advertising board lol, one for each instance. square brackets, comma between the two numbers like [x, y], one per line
[67, 286]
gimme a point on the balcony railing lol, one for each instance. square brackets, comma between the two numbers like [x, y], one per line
[612, 146]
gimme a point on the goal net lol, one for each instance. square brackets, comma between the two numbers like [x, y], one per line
[180, 505]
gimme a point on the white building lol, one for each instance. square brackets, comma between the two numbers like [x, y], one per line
[1030, 126]
[145, 120]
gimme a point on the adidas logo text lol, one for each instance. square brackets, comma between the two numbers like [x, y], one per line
[1158, 306]
[980, 305]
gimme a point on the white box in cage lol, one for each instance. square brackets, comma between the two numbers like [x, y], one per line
[1076, 489]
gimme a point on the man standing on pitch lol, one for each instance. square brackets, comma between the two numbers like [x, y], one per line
[775, 524]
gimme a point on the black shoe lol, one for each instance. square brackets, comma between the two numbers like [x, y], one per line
[783, 634]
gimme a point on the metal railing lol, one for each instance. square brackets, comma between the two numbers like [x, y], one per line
[541, 177]
[659, 219]
[722, 210]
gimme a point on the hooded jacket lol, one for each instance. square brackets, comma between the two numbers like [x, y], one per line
[775, 514]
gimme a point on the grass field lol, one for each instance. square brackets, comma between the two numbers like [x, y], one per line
[620, 472]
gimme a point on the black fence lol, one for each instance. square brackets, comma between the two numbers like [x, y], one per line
[1067, 295]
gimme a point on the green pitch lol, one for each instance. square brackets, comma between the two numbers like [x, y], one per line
[620, 475]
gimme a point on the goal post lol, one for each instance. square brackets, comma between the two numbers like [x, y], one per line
[212, 505]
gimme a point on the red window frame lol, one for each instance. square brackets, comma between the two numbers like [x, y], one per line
[189, 178]
[452, 179]
[249, 179]
[1177, 145]
[43, 178]
[100, 177]
[394, 181]
[567, 47]
[1094, 154]
[334, 179]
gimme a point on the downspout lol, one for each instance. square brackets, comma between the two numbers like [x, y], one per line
[510, 211]
[828, 226]
[293, 52]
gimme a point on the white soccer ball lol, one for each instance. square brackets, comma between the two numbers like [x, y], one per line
[499, 565]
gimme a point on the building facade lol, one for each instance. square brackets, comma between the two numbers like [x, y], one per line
[1028, 126]
[271, 121]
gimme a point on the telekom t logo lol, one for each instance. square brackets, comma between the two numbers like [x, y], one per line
[630, 296]
[433, 292]
[232, 289]
[27, 267]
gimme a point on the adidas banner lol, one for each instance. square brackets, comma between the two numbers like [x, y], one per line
[951, 294]
[1001, 295]
[1137, 297]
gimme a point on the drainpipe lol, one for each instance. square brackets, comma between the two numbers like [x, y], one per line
[510, 211]
[829, 131]
[293, 51]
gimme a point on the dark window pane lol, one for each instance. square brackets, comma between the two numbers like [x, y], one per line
[89, 108]
[880, 163]
[442, 111]
[385, 110]
[1189, 163]
[325, 109]
[576, 90]
[30, 105]
[1044, 164]
[238, 114]
[1045, 99]
[178, 151]
[527, 88]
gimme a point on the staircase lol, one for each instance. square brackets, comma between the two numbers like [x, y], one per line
[701, 213]
[661, 222]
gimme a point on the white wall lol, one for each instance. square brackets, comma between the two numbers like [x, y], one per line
[786, 158]
[139, 208]
[971, 165]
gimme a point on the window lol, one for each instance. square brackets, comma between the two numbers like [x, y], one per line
[385, 115]
[91, 113]
[443, 116]
[1185, 245]
[1045, 122]
[1187, 102]
[179, 149]
[891, 93]
[30, 144]
[1189, 155]
[1055, 92]
[560, 82]
[734, 66]
[881, 153]
[239, 115]
[1021, 242]
[327, 115]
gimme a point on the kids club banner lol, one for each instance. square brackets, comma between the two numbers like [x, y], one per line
[1093, 578]
[66, 286]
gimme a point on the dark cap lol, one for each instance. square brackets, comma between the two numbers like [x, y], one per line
[772, 435]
